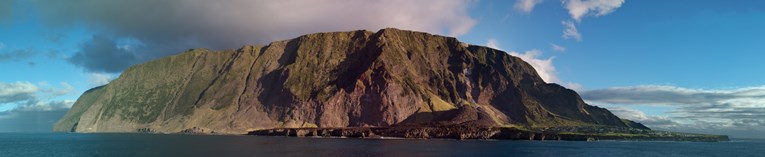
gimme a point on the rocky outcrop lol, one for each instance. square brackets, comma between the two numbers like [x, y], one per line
[341, 79]
[424, 132]
[473, 132]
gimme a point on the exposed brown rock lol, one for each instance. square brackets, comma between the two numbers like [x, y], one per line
[472, 132]
[334, 80]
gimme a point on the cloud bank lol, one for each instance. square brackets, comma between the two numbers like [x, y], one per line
[638, 116]
[161, 28]
[17, 91]
[691, 109]
[102, 54]
[27, 112]
[33, 116]
[6, 10]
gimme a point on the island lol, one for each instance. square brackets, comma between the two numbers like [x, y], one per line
[389, 83]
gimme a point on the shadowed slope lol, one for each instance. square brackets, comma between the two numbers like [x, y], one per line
[339, 79]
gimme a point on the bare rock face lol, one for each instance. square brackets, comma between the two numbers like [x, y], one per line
[341, 79]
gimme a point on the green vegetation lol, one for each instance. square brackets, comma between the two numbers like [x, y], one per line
[83, 103]
[335, 79]
[440, 105]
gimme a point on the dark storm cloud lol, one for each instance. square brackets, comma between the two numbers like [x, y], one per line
[6, 10]
[169, 27]
[101, 54]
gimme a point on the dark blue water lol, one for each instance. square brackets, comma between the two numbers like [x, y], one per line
[147, 145]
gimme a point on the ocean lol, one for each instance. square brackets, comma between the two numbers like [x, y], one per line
[159, 145]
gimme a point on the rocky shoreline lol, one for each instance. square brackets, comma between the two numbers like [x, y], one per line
[467, 132]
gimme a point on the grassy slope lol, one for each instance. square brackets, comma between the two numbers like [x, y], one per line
[83, 103]
[435, 69]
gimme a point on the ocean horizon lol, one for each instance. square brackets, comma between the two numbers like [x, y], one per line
[148, 145]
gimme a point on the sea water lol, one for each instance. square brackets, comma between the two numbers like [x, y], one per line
[149, 145]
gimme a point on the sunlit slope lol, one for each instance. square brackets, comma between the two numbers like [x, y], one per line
[339, 79]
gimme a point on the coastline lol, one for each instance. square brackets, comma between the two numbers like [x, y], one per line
[497, 133]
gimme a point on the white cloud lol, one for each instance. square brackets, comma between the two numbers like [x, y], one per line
[175, 26]
[655, 122]
[44, 106]
[33, 116]
[31, 107]
[580, 8]
[692, 109]
[526, 5]
[17, 91]
[493, 43]
[21, 91]
[543, 66]
[571, 32]
[558, 48]
[574, 86]
[99, 79]
[66, 88]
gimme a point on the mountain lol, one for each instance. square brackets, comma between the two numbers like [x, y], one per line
[340, 79]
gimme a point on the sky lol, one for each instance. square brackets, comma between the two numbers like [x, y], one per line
[680, 65]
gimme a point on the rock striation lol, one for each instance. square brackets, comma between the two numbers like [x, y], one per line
[386, 78]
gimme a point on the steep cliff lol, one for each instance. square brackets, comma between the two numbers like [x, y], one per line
[340, 79]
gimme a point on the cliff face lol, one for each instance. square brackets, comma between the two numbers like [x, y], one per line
[340, 79]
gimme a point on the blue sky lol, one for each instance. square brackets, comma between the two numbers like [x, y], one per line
[662, 63]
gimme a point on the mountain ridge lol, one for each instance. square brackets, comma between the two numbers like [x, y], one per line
[336, 79]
